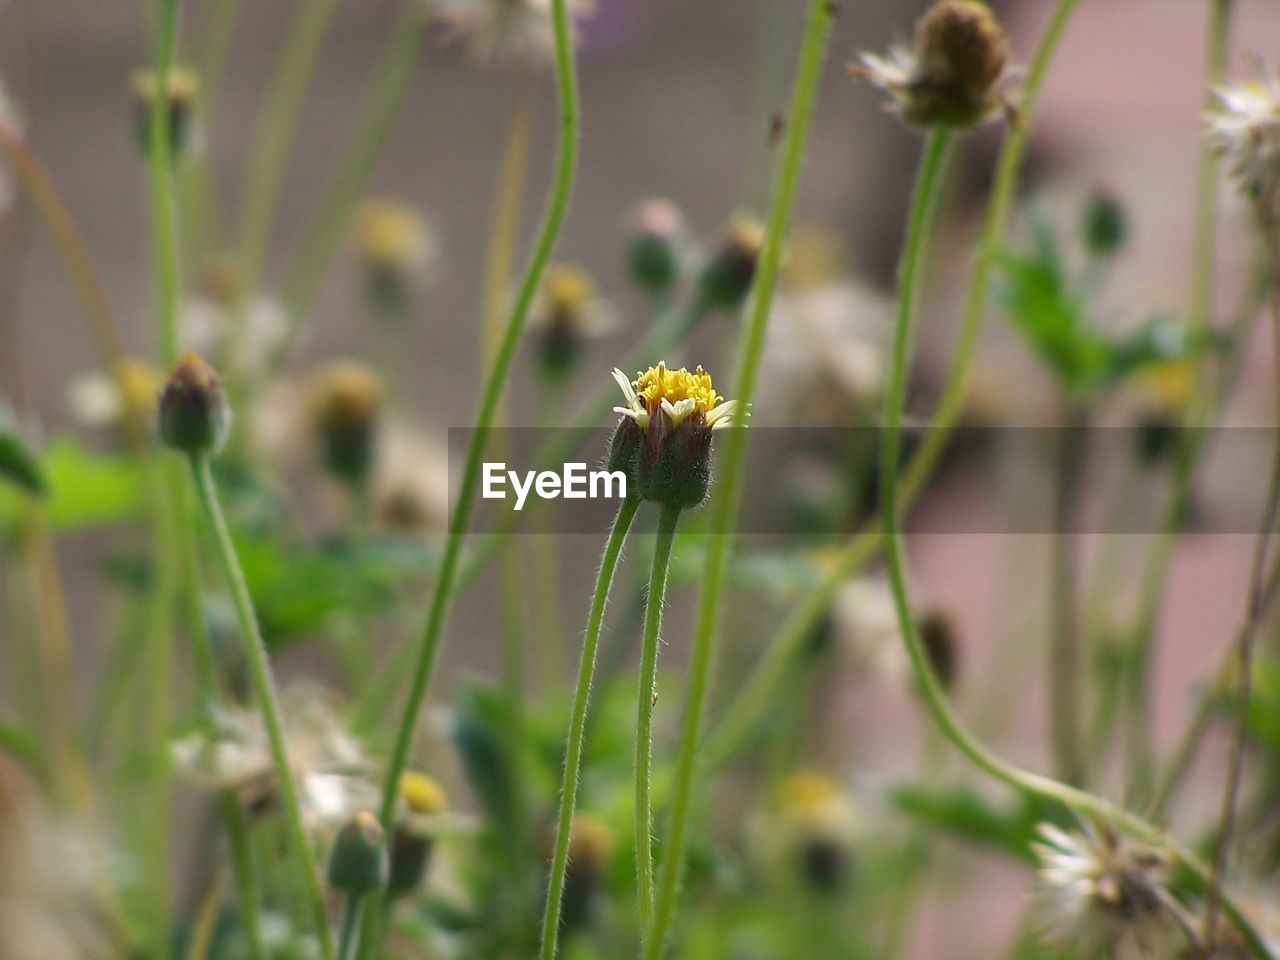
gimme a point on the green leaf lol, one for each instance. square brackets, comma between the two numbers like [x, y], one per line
[973, 817]
[84, 489]
[18, 465]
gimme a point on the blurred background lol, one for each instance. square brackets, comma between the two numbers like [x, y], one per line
[678, 100]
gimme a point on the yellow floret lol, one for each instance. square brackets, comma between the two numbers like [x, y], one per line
[658, 383]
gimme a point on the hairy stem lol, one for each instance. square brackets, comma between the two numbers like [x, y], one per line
[264, 687]
[576, 739]
[646, 697]
[725, 502]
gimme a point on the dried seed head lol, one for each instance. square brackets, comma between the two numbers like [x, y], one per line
[952, 76]
[194, 414]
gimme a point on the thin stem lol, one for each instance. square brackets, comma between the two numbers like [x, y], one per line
[724, 507]
[1253, 615]
[233, 820]
[754, 695]
[646, 697]
[164, 207]
[576, 739]
[325, 229]
[1079, 801]
[350, 925]
[553, 219]
[1199, 317]
[268, 702]
[274, 134]
[1064, 641]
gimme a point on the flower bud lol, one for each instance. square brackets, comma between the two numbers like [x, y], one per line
[182, 89]
[952, 76]
[394, 245]
[358, 862]
[667, 447]
[590, 847]
[727, 277]
[1105, 226]
[567, 313]
[194, 415]
[422, 801]
[653, 256]
[346, 397]
[938, 637]
[815, 828]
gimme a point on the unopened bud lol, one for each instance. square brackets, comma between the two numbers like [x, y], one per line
[422, 800]
[1105, 225]
[194, 414]
[653, 256]
[358, 862]
[727, 278]
[346, 398]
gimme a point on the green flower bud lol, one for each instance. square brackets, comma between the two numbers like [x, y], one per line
[182, 89]
[421, 801]
[653, 258]
[1105, 225]
[727, 277]
[345, 400]
[358, 862]
[664, 441]
[193, 411]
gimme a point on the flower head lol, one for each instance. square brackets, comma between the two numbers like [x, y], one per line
[395, 245]
[182, 88]
[345, 402]
[663, 443]
[421, 807]
[1244, 126]
[329, 765]
[568, 312]
[653, 248]
[99, 399]
[952, 76]
[727, 277]
[195, 417]
[811, 830]
[1101, 893]
[510, 31]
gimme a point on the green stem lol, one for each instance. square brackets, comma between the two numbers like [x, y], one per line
[274, 134]
[576, 739]
[1081, 802]
[646, 697]
[268, 702]
[237, 828]
[548, 232]
[325, 230]
[1199, 317]
[725, 503]
[350, 925]
[754, 695]
[164, 223]
[1064, 660]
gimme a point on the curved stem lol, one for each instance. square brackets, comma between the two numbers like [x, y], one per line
[646, 697]
[1079, 801]
[268, 702]
[754, 695]
[1253, 616]
[557, 205]
[325, 229]
[1199, 317]
[578, 725]
[724, 507]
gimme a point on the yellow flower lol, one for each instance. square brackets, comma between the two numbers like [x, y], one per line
[663, 443]
[678, 394]
[392, 236]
